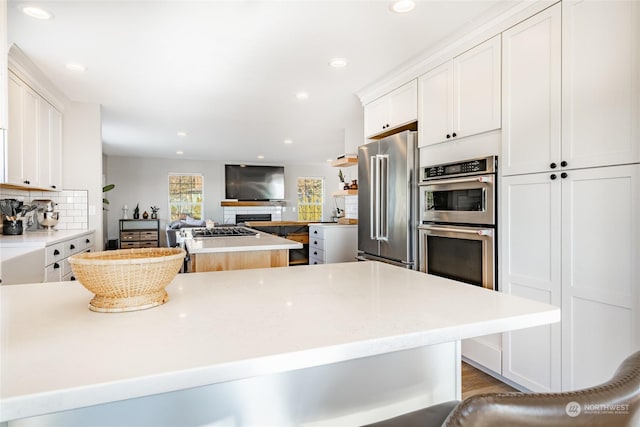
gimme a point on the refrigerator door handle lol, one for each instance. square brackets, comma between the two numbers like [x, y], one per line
[383, 231]
[373, 223]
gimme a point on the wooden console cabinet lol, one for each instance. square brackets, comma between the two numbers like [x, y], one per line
[139, 233]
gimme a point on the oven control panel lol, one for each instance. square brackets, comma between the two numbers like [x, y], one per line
[467, 167]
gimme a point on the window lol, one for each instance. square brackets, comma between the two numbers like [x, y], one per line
[310, 199]
[185, 196]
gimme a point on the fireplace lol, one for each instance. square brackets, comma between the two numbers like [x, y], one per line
[242, 218]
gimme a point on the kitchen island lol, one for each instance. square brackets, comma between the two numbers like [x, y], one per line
[326, 345]
[261, 250]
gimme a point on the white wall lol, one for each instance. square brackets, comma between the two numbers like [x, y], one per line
[82, 159]
[145, 181]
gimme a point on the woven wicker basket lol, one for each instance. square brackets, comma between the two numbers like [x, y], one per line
[127, 279]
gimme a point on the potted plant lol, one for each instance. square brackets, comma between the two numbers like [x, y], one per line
[342, 184]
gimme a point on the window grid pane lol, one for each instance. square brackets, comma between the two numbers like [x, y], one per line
[310, 199]
[185, 196]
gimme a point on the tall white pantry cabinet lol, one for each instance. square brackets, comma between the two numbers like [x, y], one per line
[570, 188]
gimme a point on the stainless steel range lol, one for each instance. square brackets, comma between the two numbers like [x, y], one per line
[222, 231]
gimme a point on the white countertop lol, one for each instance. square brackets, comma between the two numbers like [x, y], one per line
[39, 239]
[228, 325]
[258, 242]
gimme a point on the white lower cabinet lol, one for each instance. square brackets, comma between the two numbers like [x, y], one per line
[572, 240]
[57, 267]
[332, 243]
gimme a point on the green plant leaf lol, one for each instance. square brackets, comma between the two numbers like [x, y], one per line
[108, 187]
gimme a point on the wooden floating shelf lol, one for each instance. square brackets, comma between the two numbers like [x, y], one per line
[347, 221]
[345, 162]
[345, 193]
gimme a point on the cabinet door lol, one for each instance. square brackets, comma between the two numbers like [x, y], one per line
[376, 116]
[55, 148]
[403, 104]
[476, 89]
[30, 135]
[530, 268]
[531, 78]
[435, 105]
[44, 143]
[50, 146]
[601, 76]
[4, 121]
[600, 272]
[14, 136]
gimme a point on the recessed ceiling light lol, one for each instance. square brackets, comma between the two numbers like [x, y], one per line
[79, 68]
[403, 6]
[329, 160]
[288, 141]
[36, 12]
[338, 62]
[181, 134]
[261, 156]
[302, 95]
[179, 152]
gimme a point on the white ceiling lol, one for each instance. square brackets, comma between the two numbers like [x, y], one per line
[227, 72]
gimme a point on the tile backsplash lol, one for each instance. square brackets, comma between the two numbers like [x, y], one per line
[72, 205]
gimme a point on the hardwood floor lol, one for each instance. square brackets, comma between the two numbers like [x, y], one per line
[475, 381]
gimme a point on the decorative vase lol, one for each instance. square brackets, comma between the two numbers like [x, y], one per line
[145, 215]
[136, 215]
[154, 215]
[341, 186]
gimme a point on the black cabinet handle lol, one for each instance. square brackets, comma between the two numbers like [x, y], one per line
[553, 166]
[26, 181]
[87, 241]
[53, 186]
[72, 247]
[448, 136]
[564, 175]
[454, 135]
[72, 278]
[56, 252]
[315, 231]
[563, 163]
[56, 265]
[553, 176]
[315, 252]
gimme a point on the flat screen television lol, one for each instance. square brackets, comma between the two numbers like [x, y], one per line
[252, 182]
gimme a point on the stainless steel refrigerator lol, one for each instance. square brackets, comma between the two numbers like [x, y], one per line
[387, 200]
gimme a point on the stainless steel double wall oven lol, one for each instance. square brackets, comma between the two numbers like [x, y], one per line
[457, 232]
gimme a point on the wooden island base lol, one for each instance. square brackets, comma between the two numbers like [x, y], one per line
[219, 261]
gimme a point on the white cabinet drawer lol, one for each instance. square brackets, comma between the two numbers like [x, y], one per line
[53, 272]
[316, 243]
[72, 247]
[316, 253]
[313, 260]
[85, 242]
[54, 253]
[316, 232]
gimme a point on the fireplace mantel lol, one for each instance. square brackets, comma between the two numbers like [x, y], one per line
[253, 203]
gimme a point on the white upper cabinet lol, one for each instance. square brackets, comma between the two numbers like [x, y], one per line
[461, 97]
[22, 139]
[34, 142]
[600, 83]
[531, 80]
[50, 146]
[395, 109]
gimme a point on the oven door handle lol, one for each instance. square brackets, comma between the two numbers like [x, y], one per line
[480, 232]
[483, 179]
